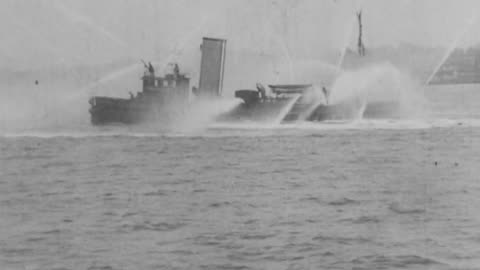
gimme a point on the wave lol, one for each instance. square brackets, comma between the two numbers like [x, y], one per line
[362, 220]
[342, 239]
[399, 261]
[399, 209]
[342, 202]
[147, 226]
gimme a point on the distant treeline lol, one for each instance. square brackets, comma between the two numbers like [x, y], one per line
[456, 67]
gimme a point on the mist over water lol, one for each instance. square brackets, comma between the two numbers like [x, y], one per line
[379, 83]
[66, 113]
[37, 107]
[200, 113]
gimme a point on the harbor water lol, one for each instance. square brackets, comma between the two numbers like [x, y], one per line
[359, 194]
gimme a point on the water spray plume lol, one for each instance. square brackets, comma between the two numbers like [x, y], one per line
[285, 110]
[179, 46]
[134, 67]
[379, 83]
[348, 37]
[201, 113]
[80, 18]
[283, 40]
[286, 52]
[111, 76]
[26, 107]
[452, 47]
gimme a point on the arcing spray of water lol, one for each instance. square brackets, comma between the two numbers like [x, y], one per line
[348, 37]
[80, 18]
[288, 107]
[454, 44]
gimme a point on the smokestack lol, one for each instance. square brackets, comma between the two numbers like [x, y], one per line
[212, 66]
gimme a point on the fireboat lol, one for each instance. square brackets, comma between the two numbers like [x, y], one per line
[163, 97]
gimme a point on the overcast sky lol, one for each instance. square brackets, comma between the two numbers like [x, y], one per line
[42, 33]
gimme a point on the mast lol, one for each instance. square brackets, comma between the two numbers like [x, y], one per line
[361, 46]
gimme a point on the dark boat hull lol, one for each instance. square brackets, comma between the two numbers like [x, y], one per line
[105, 110]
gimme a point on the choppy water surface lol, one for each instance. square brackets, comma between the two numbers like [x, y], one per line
[366, 195]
